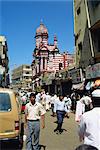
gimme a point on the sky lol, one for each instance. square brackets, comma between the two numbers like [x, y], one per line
[20, 19]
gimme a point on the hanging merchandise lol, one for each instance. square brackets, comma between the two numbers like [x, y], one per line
[97, 83]
[89, 85]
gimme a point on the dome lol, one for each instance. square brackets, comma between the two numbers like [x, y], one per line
[41, 29]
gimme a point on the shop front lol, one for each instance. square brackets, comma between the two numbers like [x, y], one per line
[77, 76]
[92, 77]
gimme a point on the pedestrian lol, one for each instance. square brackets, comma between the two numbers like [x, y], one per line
[87, 101]
[43, 98]
[48, 101]
[73, 99]
[53, 99]
[33, 112]
[60, 109]
[89, 126]
[68, 103]
[83, 105]
[86, 147]
[38, 97]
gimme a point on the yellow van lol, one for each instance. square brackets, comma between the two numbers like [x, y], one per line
[11, 125]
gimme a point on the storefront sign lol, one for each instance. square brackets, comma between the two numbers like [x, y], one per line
[93, 71]
[76, 75]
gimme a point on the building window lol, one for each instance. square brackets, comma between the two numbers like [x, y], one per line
[95, 3]
[36, 70]
[27, 73]
[60, 66]
[96, 39]
[78, 11]
[28, 67]
[80, 46]
[43, 62]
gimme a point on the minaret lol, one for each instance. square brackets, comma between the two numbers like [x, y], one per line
[41, 44]
[55, 41]
[41, 35]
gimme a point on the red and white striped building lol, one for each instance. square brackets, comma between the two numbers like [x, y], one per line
[46, 57]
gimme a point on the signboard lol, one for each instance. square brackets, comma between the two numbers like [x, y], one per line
[93, 71]
[76, 75]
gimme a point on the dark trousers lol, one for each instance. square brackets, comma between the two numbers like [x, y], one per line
[52, 108]
[60, 118]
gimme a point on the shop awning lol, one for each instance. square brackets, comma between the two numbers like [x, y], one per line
[79, 86]
[96, 26]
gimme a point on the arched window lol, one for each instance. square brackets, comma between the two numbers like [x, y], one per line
[60, 66]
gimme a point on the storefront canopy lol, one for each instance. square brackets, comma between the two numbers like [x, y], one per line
[79, 86]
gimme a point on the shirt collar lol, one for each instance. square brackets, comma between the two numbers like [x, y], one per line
[32, 105]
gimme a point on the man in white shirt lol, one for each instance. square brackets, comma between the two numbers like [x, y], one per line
[89, 127]
[60, 109]
[68, 102]
[43, 98]
[33, 112]
[48, 100]
[38, 97]
[83, 105]
[80, 109]
[53, 99]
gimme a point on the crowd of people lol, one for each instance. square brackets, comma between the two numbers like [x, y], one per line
[87, 114]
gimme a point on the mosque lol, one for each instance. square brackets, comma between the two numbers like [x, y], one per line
[46, 57]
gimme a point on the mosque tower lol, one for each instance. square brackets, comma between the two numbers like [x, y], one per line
[55, 41]
[41, 50]
[41, 36]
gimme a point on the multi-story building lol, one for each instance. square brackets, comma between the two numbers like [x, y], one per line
[47, 58]
[87, 32]
[22, 77]
[87, 37]
[4, 76]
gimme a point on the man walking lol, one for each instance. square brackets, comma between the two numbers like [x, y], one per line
[89, 127]
[60, 109]
[33, 112]
[83, 105]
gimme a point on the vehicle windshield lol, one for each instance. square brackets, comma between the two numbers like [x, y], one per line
[5, 104]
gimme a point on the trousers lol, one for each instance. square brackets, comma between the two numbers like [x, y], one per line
[60, 118]
[32, 141]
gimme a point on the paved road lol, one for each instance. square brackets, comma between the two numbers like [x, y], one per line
[68, 140]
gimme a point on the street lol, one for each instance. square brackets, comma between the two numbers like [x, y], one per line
[68, 140]
[49, 66]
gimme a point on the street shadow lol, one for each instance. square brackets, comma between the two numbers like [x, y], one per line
[42, 147]
[64, 130]
[56, 122]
